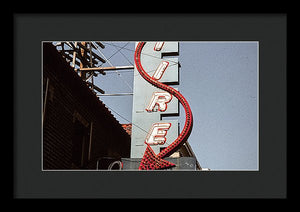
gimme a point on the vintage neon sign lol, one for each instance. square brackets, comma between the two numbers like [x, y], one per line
[157, 134]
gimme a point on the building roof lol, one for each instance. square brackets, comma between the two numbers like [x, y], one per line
[70, 77]
[127, 128]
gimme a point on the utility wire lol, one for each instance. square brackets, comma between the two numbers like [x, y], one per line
[145, 131]
[124, 56]
[120, 48]
[111, 72]
[127, 119]
[102, 54]
[119, 74]
[141, 52]
[131, 122]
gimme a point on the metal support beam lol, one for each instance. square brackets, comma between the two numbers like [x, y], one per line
[100, 44]
[95, 87]
[111, 68]
[116, 94]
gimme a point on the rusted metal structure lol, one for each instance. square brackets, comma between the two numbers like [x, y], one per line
[86, 58]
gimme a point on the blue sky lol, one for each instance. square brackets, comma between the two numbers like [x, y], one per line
[220, 82]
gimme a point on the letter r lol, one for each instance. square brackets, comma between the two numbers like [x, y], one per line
[160, 99]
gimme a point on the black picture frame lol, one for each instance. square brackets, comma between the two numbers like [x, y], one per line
[270, 30]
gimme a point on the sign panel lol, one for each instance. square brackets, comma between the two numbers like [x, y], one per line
[150, 103]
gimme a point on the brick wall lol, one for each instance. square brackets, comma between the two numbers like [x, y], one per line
[77, 127]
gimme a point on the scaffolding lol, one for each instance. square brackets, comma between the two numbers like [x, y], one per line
[84, 58]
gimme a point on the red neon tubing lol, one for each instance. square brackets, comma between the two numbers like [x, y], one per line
[187, 129]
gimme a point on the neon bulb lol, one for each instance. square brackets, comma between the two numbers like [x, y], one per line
[160, 70]
[158, 46]
[160, 99]
[157, 134]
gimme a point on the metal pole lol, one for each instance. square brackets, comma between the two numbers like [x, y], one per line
[91, 63]
[111, 68]
[116, 94]
[74, 57]
[90, 143]
[82, 74]
[45, 100]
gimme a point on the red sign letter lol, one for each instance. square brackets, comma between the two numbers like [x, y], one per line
[160, 70]
[158, 46]
[157, 133]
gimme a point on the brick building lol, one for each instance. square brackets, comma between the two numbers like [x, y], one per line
[78, 130]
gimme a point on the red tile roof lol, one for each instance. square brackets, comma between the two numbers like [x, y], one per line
[127, 128]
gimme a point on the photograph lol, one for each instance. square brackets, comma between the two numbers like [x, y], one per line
[149, 105]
